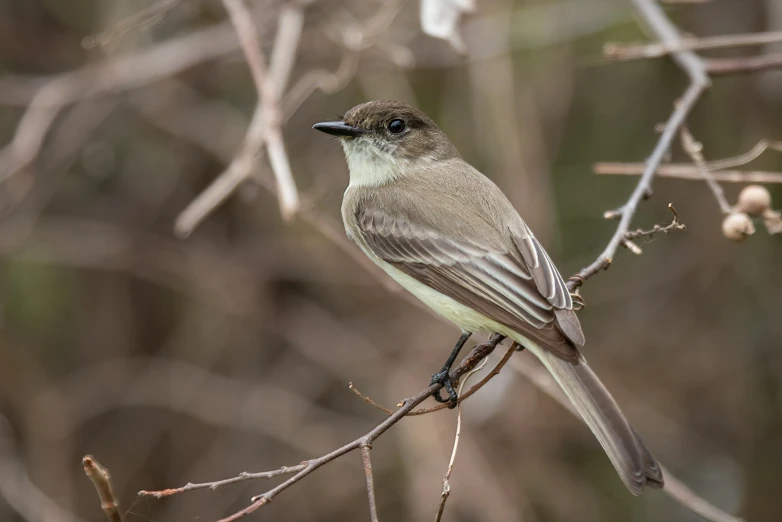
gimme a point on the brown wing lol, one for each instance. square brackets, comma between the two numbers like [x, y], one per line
[505, 286]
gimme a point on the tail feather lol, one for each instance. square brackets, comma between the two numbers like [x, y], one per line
[635, 464]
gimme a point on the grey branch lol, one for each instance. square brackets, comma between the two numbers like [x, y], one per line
[695, 68]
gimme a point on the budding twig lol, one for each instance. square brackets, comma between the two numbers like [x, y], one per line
[102, 481]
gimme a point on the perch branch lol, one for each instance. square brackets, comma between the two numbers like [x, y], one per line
[462, 396]
[305, 468]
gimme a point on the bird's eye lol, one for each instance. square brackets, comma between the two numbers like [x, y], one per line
[396, 126]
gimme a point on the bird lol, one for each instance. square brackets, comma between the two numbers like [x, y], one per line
[448, 235]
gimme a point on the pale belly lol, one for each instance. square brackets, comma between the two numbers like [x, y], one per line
[465, 318]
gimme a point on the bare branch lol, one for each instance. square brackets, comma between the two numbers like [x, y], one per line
[18, 491]
[746, 64]
[685, 171]
[163, 60]
[285, 470]
[283, 56]
[265, 124]
[689, 172]
[623, 52]
[101, 479]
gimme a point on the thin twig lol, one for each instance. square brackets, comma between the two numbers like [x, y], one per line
[624, 52]
[657, 229]
[365, 449]
[689, 172]
[446, 491]
[674, 487]
[101, 479]
[150, 16]
[746, 64]
[695, 150]
[285, 470]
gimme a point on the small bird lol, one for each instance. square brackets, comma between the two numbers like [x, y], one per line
[448, 235]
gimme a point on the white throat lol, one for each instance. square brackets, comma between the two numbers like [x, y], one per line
[369, 166]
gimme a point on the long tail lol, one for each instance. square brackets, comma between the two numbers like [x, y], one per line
[635, 464]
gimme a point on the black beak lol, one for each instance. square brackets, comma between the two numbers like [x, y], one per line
[338, 128]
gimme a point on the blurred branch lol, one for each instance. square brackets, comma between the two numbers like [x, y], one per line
[468, 363]
[264, 127]
[163, 60]
[180, 119]
[626, 52]
[747, 64]
[18, 490]
[695, 150]
[101, 479]
[695, 69]
[152, 15]
[685, 171]
[266, 121]
[674, 487]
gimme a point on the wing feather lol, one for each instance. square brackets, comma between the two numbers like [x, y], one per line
[503, 285]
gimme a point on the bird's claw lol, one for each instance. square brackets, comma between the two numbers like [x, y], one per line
[444, 378]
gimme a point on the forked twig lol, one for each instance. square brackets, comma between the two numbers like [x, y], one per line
[657, 229]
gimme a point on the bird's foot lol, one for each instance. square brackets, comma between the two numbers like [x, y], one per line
[444, 378]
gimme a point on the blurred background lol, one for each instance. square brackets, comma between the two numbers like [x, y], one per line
[192, 359]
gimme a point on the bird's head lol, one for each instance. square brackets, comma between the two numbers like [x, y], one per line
[384, 140]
